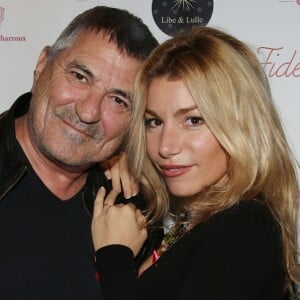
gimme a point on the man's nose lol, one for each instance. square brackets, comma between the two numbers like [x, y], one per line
[88, 109]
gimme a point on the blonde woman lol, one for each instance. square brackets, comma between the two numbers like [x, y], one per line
[209, 150]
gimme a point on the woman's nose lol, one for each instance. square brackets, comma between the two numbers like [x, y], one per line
[169, 142]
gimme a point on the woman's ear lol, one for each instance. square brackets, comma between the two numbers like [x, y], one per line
[41, 63]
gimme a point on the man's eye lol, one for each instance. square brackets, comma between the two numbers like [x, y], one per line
[79, 76]
[152, 122]
[120, 101]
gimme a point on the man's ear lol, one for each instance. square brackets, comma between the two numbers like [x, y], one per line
[41, 63]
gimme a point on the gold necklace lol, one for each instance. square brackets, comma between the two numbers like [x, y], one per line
[170, 238]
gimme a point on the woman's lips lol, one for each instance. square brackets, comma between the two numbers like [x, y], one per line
[174, 170]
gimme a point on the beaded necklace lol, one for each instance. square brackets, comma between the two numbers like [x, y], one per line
[175, 233]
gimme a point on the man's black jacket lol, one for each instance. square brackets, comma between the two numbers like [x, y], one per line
[12, 170]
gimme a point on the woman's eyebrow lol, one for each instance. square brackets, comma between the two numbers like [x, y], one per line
[185, 110]
[177, 112]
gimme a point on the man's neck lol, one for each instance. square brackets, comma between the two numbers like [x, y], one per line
[63, 182]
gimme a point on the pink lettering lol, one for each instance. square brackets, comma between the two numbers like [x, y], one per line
[275, 68]
[297, 68]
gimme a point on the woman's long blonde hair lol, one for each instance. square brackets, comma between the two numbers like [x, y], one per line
[232, 93]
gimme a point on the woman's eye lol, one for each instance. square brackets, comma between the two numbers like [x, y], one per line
[195, 121]
[152, 123]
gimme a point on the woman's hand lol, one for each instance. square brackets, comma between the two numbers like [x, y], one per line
[117, 170]
[120, 224]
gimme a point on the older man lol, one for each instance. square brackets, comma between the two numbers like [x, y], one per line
[51, 142]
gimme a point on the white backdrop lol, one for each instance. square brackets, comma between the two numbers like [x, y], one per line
[269, 25]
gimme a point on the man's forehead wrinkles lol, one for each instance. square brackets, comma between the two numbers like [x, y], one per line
[82, 67]
[109, 74]
[123, 93]
[111, 82]
[116, 91]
